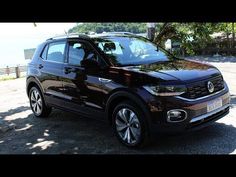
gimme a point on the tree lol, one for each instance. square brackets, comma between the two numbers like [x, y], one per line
[193, 36]
[109, 27]
[233, 38]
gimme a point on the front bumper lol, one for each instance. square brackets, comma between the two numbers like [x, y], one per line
[205, 119]
[197, 115]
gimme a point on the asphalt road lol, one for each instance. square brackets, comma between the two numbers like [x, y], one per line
[67, 133]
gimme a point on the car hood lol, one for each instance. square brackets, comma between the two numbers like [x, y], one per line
[183, 70]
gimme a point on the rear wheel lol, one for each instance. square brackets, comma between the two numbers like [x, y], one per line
[130, 125]
[37, 103]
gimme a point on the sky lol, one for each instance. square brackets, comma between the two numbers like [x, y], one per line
[15, 37]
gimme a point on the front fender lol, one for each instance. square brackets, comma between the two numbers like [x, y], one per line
[121, 95]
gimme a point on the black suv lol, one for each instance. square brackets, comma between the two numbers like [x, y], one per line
[138, 87]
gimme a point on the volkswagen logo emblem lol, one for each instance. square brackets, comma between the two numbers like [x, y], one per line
[210, 86]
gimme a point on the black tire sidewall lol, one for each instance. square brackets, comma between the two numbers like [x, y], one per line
[141, 118]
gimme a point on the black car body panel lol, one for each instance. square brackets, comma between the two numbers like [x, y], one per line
[94, 92]
[182, 70]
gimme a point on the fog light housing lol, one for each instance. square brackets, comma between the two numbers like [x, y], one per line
[176, 115]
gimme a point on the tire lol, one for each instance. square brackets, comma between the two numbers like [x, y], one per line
[37, 103]
[136, 133]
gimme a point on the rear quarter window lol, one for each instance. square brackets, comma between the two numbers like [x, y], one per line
[44, 53]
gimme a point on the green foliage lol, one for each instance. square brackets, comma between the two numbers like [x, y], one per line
[192, 36]
[109, 27]
[226, 27]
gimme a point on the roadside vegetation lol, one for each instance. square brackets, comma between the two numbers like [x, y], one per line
[109, 27]
[11, 77]
[194, 38]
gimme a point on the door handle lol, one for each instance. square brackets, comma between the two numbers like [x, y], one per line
[104, 80]
[68, 70]
[40, 66]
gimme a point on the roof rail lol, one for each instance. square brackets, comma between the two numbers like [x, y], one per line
[68, 36]
[110, 34]
[117, 32]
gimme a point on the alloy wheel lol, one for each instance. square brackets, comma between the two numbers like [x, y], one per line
[128, 126]
[36, 102]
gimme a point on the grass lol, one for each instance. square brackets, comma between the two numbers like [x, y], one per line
[5, 78]
[9, 77]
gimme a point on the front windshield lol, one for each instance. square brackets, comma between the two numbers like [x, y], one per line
[130, 50]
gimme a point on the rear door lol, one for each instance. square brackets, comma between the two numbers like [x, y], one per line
[51, 74]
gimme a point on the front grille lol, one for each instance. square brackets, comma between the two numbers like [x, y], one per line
[199, 89]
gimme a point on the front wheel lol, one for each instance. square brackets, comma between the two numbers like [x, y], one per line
[37, 103]
[129, 124]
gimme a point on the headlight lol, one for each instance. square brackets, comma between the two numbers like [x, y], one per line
[166, 90]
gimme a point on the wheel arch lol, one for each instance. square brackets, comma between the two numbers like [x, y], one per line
[121, 95]
[32, 81]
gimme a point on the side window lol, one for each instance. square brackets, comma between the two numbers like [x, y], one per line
[44, 53]
[79, 51]
[56, 51]
[76, 52]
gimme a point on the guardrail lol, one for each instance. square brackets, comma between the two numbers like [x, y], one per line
[15, 71]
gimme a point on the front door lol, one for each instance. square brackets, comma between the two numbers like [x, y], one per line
[82, 89]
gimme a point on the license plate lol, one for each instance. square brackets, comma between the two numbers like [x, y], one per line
[213, 105]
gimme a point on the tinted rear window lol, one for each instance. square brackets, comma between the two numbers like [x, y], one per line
[56, 51]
